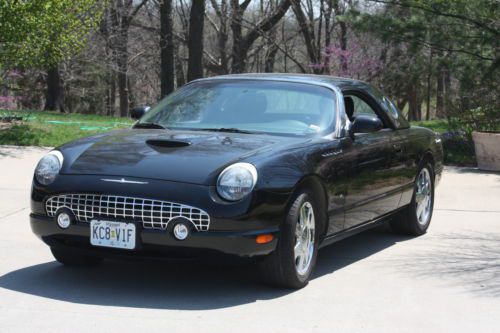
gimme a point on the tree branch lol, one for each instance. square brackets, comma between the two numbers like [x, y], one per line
[136, 9]
[406, 4]
[266, 24]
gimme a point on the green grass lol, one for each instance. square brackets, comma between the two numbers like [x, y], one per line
[439, 126]
[42, 128]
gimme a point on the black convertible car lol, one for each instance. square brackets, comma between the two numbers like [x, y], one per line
[271, 167]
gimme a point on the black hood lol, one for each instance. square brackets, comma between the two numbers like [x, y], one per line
[183, 156]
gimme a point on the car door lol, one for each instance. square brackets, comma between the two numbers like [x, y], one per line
[405, 142]
[373, 188]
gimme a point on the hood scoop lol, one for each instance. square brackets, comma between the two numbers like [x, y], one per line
[167, 143]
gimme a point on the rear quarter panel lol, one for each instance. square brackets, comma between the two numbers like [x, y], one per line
[419, 143]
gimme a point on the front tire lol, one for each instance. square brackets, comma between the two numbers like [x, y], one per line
[68, 258]
[416, 217]
[292, 263]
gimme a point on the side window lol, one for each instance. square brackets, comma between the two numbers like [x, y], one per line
[360, 107]
[393, 111]
[394, 114]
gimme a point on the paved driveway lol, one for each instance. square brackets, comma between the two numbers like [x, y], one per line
[445, 281]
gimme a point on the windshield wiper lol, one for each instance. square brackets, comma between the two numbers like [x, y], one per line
[227, 130]
[149, 125]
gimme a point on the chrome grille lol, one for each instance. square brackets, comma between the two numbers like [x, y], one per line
[153, 214]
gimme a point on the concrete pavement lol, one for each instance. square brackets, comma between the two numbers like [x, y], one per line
[445, 281]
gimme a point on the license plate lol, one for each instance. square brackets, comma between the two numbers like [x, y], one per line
[112, 234]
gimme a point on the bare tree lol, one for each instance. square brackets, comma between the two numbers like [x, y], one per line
[219, 62]
[242, 44]
[340, 10]
[305, 19]
[122, 12]
[317, 22]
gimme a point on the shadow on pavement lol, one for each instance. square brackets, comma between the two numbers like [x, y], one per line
[469, 260]
[177, 285]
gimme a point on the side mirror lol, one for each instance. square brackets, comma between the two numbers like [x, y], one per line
[139, 111]
[366, 124]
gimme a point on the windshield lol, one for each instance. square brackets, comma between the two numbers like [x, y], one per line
[249, 106]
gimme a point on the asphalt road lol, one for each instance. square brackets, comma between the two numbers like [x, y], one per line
[445, 281]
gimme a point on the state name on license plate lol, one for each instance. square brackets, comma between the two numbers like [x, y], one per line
[112, 234]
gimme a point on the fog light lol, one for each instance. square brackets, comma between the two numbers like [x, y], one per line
[181, 231]
[63, 220]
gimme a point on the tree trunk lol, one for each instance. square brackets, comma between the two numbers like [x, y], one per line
[447, 93]
[440, 86]
[328, 17]
[220, 66]
[428, 100]
[106, 28]
[412, 103]
[121, 14]
[131, 97]
[195, 40]
[122, 59]
[419, 107]
[167, 75]
[242, 44]
[123, 93]
[440, 110]
[237, 64]
[120, 44]
[272, 50]
[222, 39]
[270, 59]
[122, 64]
[179, 69]
[343, 39]
[54, 93]
[429, 88]
[307, 30]
[111, 94]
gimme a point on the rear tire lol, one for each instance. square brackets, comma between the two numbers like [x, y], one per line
[68, 258]
[415, 219]
[292, 263]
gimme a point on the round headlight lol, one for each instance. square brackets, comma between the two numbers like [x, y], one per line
[48, 168]
[236, 181]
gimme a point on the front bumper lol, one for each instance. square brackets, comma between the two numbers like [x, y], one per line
[155, 243]
[233, 226]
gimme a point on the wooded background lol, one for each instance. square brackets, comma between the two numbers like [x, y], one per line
[435, 59]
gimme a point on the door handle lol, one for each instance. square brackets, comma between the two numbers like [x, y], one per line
[398, 149]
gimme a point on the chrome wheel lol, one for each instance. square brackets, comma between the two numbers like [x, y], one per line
[423, 196]
[304, 238]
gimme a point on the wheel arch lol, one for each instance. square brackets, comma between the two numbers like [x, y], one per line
[428, 157]
[314, 183]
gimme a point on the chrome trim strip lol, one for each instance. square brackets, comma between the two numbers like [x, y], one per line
[123, 181]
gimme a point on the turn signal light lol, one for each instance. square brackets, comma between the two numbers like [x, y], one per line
[263, 239]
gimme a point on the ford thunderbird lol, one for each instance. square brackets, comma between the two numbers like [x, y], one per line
[268, 167]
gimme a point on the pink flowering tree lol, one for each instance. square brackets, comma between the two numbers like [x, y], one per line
[358, 61]
[13, 87]
[7, 102]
